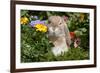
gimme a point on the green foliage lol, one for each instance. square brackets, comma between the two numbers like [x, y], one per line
[79, 23]
[36, 47]
[34, 44]
[24, 13]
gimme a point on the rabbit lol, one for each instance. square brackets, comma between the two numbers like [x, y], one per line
[58, 34]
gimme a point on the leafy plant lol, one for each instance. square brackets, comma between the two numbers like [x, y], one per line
[35, 45]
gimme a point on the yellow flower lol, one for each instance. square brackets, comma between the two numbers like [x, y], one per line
[82, 16]
[24, 20]
[41, 27]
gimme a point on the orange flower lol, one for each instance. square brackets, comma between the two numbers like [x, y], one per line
[72, 34]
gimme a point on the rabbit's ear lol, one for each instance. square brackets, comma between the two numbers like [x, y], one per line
[67, 34]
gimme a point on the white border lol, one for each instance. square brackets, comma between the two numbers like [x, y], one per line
[20, 65]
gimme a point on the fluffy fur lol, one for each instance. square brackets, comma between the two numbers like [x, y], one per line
[58, 34]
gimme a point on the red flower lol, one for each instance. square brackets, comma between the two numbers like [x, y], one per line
[72, 34]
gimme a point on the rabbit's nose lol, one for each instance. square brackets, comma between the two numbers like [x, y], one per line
[53, 29]
[54, 33]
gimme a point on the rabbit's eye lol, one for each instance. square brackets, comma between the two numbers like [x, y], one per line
[60, 23]
[49, 22]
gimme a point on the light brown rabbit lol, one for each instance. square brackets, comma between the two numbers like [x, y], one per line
[58, 34]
